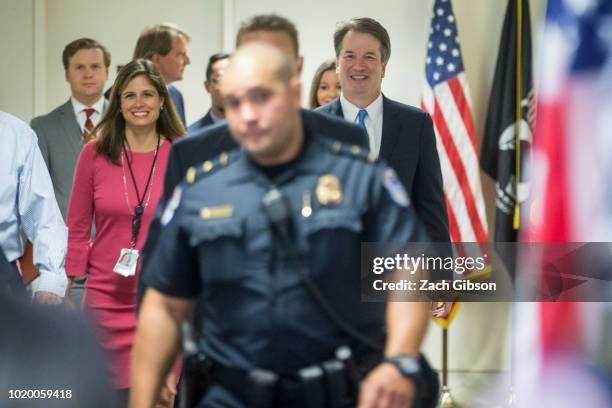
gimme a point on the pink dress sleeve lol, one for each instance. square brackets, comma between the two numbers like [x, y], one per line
[80, 213]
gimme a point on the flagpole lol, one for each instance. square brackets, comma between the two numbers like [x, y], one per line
[446, 399]
[511, 398]
[445, 357]
[517, 121]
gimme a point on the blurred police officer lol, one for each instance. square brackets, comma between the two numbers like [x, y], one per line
[251, 232]
[210, 141]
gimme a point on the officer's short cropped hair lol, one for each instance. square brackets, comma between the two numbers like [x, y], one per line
[364, 25]
[211, 61]
[286, 69]
[83, 44]
[269, 22]
[281, 65]
[157, 39]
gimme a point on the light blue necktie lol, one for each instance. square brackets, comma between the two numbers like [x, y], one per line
[361, 115]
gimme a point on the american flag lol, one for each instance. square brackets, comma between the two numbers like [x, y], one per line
[569, 202]
[572, 149]
[446, 98]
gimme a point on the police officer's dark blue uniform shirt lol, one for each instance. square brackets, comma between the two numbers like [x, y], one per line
[218, 245]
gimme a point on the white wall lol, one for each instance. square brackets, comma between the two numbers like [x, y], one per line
[117, 24]
[16, 48]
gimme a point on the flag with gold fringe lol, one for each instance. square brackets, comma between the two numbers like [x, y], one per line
[446, 98]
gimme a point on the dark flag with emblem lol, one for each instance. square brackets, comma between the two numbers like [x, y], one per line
[510, 121]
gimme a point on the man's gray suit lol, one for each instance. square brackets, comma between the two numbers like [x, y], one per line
[60, 140]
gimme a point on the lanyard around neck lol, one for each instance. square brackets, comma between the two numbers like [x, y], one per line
[139, 209]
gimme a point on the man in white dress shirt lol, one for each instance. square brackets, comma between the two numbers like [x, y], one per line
[28, 211]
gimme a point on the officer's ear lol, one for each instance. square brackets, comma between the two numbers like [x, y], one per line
[299, 64]
[295, 84]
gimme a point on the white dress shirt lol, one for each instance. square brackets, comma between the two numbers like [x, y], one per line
[81, 116]
[27, 205]
[373, 122]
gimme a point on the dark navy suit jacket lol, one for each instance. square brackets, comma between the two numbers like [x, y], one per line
[201, 123]
[177, 98]
[408, 145]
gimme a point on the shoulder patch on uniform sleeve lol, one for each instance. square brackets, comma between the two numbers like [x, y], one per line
[172, 205]
[213, 165]
[395, 188]
[345, 149]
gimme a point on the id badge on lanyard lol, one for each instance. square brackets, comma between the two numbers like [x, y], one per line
[128, 257]
[126, 264]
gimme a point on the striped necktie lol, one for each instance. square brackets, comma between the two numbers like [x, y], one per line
[88, 124]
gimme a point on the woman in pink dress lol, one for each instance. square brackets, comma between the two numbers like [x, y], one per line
[117, 183]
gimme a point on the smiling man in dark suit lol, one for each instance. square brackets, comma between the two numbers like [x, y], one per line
[400, 134]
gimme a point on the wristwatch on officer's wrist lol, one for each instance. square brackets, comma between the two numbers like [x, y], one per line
[407, 364]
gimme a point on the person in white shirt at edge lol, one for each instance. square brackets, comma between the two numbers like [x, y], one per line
[28, 209]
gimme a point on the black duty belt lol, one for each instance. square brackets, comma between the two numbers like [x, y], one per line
[256, 387]
[331, 384]
[325, 385]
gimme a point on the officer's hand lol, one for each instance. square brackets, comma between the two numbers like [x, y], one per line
[386, 387]
[167, 394]
[47, 297]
